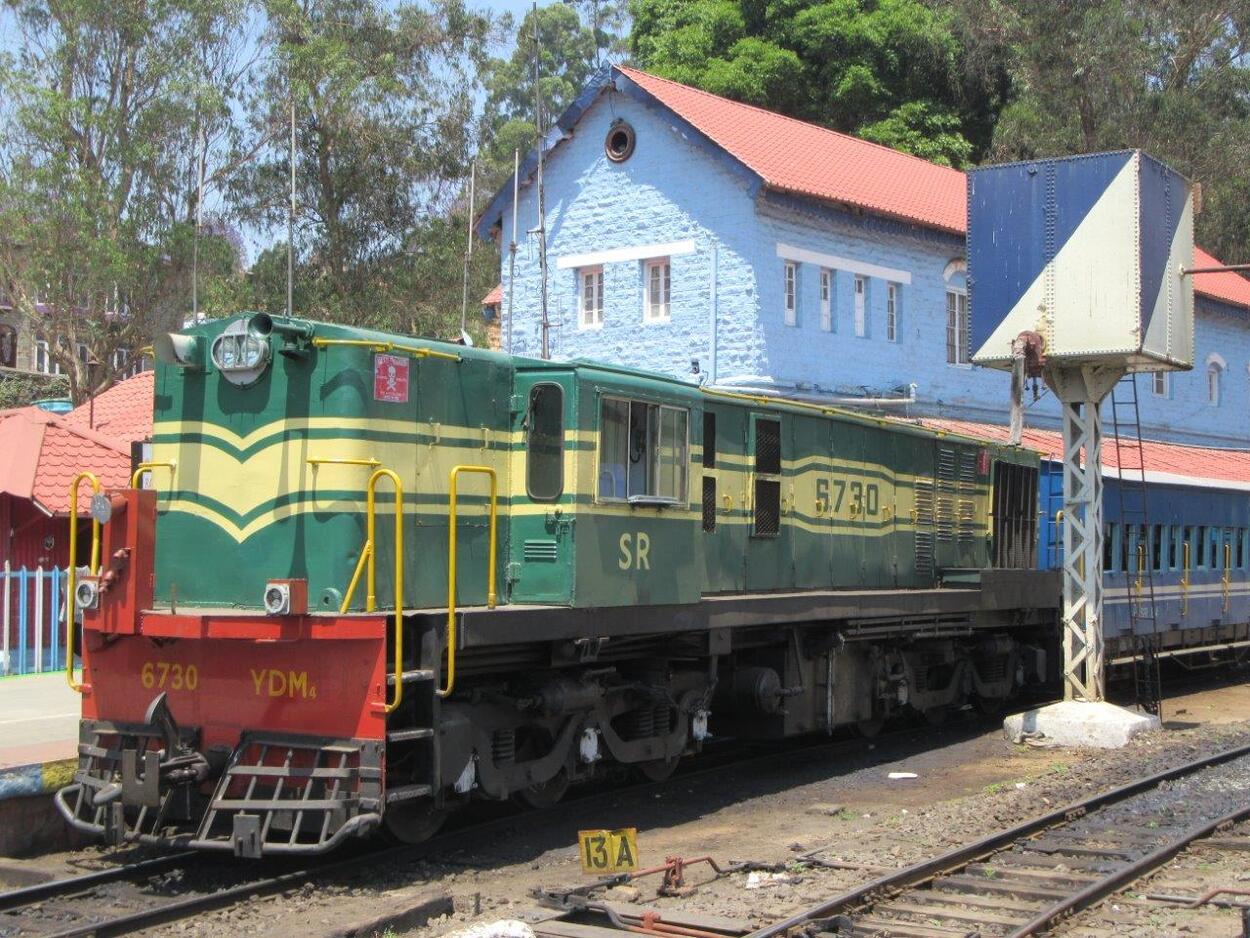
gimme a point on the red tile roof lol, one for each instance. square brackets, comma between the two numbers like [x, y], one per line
[123, 412]
[40, 454]
[793, 156]
[1186, 463]
[494, 297]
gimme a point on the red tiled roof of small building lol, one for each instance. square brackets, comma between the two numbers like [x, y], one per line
[40, 453]
[494, 297]
[123, 412]
[794, 156]
[1187, 463]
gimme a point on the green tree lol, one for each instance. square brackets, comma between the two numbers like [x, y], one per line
[383, 98]
[1168, 76]
[93, 213]
[893, 71]
[576, 39]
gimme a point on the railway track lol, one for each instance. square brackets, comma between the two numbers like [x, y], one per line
[1017, 882]
[132, 897]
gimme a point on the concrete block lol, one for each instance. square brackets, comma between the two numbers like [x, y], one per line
[1077, 723]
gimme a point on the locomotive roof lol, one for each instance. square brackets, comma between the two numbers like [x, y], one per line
[645, 381]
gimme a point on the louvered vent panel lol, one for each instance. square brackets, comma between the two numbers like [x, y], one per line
[947, 495]
[924, 499]
[967, 486]
[767, 508]
[542, 551]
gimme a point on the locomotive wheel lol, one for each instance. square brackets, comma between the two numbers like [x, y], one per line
[544, 794]
[870, 729]
[412, 823]
[658, 770]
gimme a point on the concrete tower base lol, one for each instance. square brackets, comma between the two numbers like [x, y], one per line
[1078, 723]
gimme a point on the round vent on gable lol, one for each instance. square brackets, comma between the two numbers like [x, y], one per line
[620, 141]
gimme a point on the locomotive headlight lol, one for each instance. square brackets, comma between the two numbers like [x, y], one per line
[278, 599]
[86, 594]
[239, 354]
[184, 351]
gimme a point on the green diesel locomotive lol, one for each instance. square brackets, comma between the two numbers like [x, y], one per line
[386, 575]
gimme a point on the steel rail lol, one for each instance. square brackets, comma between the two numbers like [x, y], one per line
[960, 856]
[41, 892]
[1112, 882]
[183, 908]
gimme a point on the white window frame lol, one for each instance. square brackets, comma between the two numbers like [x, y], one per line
[121, 358]
[790, 300]
[957, 337]
[1159, 384]
[662, 311]
[45, 364]
[826, 299]
[861, 306]
[891, 312]
[1215, 377]
[590, 317]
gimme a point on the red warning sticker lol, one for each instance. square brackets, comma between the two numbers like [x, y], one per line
[390, 378]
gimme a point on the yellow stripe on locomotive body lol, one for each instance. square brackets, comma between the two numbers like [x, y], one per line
[609, 493]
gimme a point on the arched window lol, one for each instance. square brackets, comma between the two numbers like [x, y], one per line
[1214, 375]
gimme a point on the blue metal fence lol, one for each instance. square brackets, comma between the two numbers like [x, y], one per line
[32, 633]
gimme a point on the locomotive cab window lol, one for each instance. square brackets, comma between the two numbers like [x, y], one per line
[643, 452]
[544, 476]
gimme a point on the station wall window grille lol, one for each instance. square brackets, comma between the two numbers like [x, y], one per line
[767, 478]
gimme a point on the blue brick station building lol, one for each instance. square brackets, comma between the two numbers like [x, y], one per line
[721, 243]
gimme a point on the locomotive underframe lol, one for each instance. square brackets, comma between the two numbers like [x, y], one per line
[586, 692]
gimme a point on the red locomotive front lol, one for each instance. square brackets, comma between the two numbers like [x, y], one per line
[221, 729]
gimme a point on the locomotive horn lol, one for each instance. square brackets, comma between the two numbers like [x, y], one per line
[185, 351]
[295, 332]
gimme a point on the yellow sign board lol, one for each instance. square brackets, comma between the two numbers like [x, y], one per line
[608, 851]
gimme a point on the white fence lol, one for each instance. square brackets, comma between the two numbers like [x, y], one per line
[32, 633]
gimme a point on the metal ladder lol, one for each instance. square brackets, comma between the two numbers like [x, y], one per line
[1147, 684]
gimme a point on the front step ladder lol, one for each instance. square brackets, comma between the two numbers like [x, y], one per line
[1143, 621]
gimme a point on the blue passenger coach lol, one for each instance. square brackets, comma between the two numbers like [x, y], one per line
[1190, 546]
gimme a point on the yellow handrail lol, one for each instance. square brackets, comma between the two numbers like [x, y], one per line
[414, 350]
[1227, 578]
[367, 555]
[452, 483]
[1184, 577]
[148, 467]
[71, 581]
[1141, 568]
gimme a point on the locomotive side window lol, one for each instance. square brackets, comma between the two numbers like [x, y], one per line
[709, 440]
[767, 478]
[545, 443]
[643, 451]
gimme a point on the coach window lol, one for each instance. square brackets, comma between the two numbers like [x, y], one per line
[1108, 547]
[1241, 548]
[1174, 548]
[643, 452]
[545, 443]
[1200, 547]
[1156, 548]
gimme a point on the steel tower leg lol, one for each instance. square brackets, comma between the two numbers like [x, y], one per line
[1081, 391]
[1082, 552]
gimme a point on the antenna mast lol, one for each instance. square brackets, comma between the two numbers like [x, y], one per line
[468, 253]
[516, 191]
[290, 226]
[542, 207]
